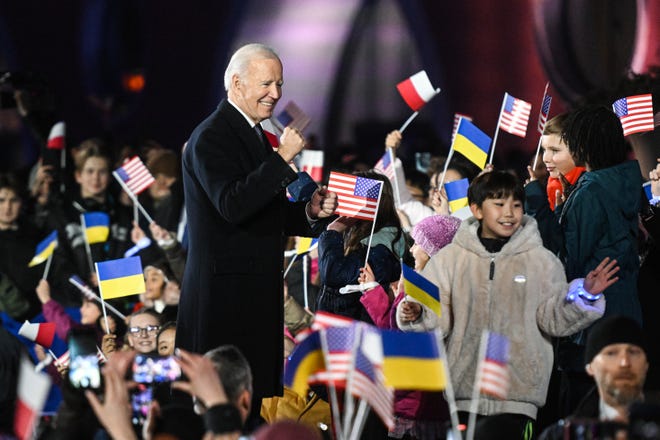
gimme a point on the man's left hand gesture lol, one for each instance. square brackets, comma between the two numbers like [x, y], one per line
[323, 204]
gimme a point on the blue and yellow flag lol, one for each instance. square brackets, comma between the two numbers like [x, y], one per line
[96, 226]
[122, 277]
[472, 143]
[412, 361]
[306, 359]
[457, 192]
[421, 289]
[306, 244]
[44, 249]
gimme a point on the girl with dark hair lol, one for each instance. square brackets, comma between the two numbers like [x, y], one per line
[343, 248]
[599, 219]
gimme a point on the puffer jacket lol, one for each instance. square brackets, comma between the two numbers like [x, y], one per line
[519, 292]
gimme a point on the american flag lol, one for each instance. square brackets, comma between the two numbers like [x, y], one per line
[515, 115]
[292, 116]
[635, 113]
[385, 165]
[494, 370]
[457, 119]
[135, 175]
[545, 110]
[356, 196]
[65, 358]
[368, 381]
[337, 344]
[324, 320]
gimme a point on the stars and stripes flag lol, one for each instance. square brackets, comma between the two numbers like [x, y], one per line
[514, 116]
[386, 165]
[494, 370]
[457, 119]
[356, 196]
[134, 175]
[292, 116]
[324, 320]
[337, 344]
[635, 113]
[545, 110]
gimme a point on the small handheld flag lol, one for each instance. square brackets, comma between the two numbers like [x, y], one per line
[545, 110]
[311, 162]
[472, 143]
[417, 90]
[306, 244]
[31, 395]
[271, 130]
[56, 136]
[122, 277]
[96, 226]
[385, 165]
[420, 288]
[457, 120]
[494, 371]
[323, 320]
[635, 113]
[42, 333]
[412, 361]
[515, 115]
[44, 249]
[305, 360]
[134, 175]
[292, 116]
[457, 194]
[356, 196]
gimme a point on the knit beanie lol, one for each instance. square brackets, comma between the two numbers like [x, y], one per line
[435, 232]
[613, 330]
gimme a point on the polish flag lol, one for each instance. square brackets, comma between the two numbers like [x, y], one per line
[271, 132]
[417, 90]
[31, 396]
[42, 333]
[311, 161]
[56, 136]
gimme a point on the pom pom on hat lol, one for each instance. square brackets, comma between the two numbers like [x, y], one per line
[435, 232]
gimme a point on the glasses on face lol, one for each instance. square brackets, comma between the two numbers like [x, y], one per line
[149, 330]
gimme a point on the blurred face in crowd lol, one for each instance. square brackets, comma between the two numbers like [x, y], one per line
[166, 342]
[500, 218]
[154, 281]
[94, 177]
[556, 157]
[142, 331]
[620, 372]
[10, 206]
[89, 312]
[257, 90]
[450, 176]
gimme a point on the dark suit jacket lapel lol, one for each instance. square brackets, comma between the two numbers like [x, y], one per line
[246, 133]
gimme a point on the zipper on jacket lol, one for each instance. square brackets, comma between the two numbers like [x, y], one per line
[492, 268]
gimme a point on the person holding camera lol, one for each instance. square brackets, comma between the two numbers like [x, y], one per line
[615, 357]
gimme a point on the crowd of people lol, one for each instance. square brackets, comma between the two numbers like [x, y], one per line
[561, 261]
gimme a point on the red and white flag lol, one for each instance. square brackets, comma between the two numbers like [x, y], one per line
[56, 136]
[311, 162]
[417, 90]
[42, 333]
[356, 196]
[515, 115]
[457, 119]
[323, 320]
[635, 113]
[135, 175]
[31, 396]
[270, 130]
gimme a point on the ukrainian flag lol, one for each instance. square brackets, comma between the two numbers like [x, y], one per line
[96, 226]
[421, 289]
[412, 361]
[44, 249]
[306, 359]
[472, 143]
[122, 277]
[306, 244]
[457, 194]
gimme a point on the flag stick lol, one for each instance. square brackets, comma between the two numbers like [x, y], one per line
[408, 121]
[88, 249]
[289, 266]
[474, 405]
[133, 197]
[136, 214]
[444, 170]
[536, 157]
[89, 293]
[449, 388]
[44, 363]
[373, 224]
[305, 289]
[63, 168]
[397, 196]
[497, 131]
[52, 354]
[105, 314]
[334, 404]
[360, 419]
[349, 402]
[47, 268]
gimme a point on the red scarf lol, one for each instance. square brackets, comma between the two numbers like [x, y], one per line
[554, 184]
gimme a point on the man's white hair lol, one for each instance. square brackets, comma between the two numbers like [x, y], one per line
[242, 57]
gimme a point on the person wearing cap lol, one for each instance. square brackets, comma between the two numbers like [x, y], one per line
[615, 357]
